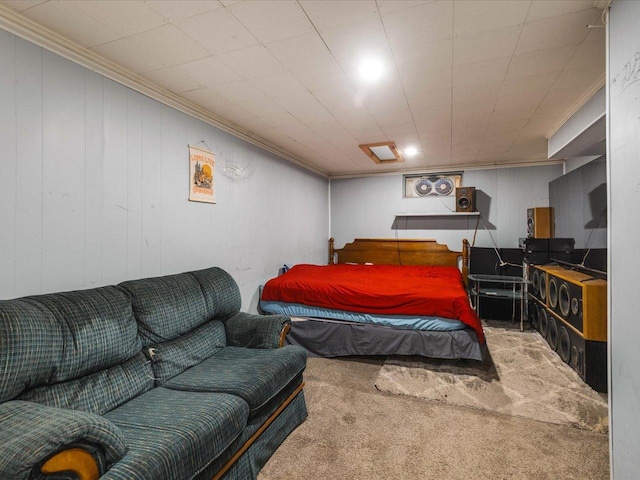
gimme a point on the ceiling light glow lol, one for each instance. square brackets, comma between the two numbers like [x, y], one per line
[371, 69]
[411, 151]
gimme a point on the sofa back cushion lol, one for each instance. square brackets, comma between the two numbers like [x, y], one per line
[221, 292]
[170, 306]
[98, 392]
[48, 339]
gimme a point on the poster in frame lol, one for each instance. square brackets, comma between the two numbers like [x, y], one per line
[201, 175]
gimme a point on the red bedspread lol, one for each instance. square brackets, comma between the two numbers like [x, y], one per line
[383, 289]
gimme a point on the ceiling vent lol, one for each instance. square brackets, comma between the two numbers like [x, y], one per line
[383, 152]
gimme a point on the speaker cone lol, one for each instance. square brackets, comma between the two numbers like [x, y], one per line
[535, 282]
[543, 287]
[552, 333]
[575, 306]
[565, 300]
[564, 344]
[544, 322]
[534, 314]
[553, 293]
[464, 203]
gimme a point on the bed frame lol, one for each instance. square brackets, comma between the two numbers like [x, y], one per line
[400, 252]
[332, 338]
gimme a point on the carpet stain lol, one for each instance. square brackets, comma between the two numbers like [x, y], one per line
[521, 376]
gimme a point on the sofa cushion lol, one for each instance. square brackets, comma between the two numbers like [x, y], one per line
[53, 338]
[175, 356]
[98, 392]
[221, 292]
[174, 434]
[255, 375]
[166, 307]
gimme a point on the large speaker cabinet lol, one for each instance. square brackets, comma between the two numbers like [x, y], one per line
[540, 222]
[569, 309]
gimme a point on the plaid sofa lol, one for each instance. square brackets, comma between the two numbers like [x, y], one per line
[158, 378]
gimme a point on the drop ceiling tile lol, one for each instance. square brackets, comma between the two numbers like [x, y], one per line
[72, 23]
[556, 31]
[403, 134]
[528, 102]
[205, 97]
[273, 20]
[480, 72]
[477, 110]
[279, 120]
[556, 8]
[262, 107]
[297, 129]
[311, 115]
[581, 77]
[475, 93]
[315, 79]
[301, 52]
[388, 6]
[503, 128]
[471, 16]
[298, 101]
[174, 46]
[429, 98]
[122, 16]
[411, 27]
[435, 79]
[278, 85]
[526, 84]
[253, 124]
[218, 31]
[209, 71]
[172, 79]
[424, 56]
[391, 116]
[173, 10]
[130, 55]
[22, 5]
[325, 14]
[252, 62]
[231, 112]
[589, 54]
[238, 92]
[485, 45]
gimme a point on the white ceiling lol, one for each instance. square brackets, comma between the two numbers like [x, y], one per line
[470, 83]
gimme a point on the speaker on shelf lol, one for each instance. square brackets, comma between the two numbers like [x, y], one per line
[466, 199]
[569, 309]
[540, 222]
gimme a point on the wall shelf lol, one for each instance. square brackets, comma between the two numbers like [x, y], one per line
[439, 214]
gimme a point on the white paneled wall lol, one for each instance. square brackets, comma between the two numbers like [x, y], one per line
[367, 207]
[94, 188]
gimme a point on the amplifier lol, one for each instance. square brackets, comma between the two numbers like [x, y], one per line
[569, 310]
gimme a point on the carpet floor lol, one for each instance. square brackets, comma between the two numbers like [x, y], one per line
[355, 432]
[521, 376]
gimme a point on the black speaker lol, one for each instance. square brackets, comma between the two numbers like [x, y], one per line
[466, 199]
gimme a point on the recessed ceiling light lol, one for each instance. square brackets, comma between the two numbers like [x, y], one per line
[410, 151]
[371, 69]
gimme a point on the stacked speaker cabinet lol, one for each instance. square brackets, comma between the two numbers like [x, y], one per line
[569, 309]
[540, 222]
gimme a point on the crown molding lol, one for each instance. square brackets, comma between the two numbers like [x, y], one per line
[33, 32]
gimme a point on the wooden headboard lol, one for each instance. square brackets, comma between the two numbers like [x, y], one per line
[400, 252]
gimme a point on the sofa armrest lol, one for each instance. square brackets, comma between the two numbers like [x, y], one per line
[49, 439]
[256, 331]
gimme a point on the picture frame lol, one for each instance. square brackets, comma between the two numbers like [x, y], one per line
[201, 175]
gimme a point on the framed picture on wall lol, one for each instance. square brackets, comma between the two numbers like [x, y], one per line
[201, 175]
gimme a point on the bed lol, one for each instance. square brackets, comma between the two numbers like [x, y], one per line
[380, 297]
